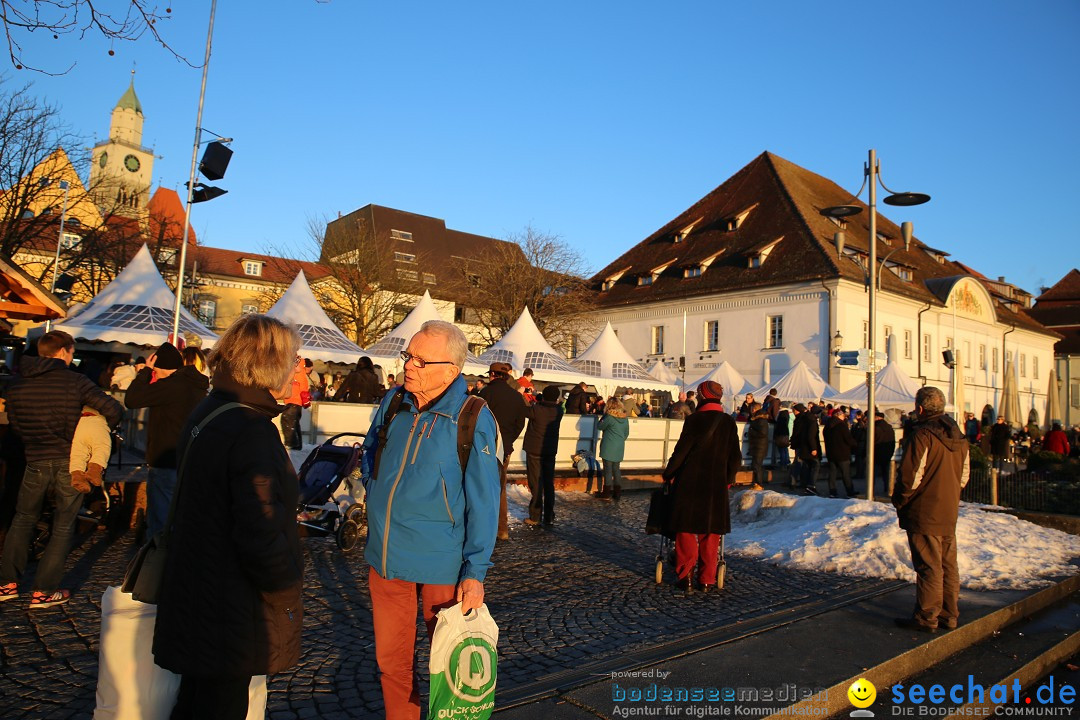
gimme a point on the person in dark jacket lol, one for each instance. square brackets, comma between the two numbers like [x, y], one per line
[933, 471]
[859, 433]
[705, 461]
[1000, 442]
[782, 438]
[43, 407]
[230, 604]
[772, 405]
[757, 436]
[839, 444]
[361, 385]
[171, 390]
[577, 400]
[508, 406]
[884, 448]
[678, 410]
[806, 442]
[541, 445]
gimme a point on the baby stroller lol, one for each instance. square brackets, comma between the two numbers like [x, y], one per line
[657, 524]
[323, 508]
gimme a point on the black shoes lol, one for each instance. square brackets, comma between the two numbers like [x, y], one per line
[685, 584]
[913, 624]
[708, 588]
[944, 623]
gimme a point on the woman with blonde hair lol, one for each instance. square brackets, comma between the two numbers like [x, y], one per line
[230, 604]
[616, 429]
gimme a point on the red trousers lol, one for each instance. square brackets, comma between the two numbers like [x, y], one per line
[393, 609]
[690, 548]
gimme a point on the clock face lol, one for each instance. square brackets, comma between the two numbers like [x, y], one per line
[103, 159]
[131, 163]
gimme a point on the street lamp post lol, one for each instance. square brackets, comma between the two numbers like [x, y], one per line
[871, 177]
[66, 187]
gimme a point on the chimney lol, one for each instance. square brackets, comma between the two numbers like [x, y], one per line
[1001, 278]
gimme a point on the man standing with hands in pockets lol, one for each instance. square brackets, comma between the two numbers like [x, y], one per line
[431, 522]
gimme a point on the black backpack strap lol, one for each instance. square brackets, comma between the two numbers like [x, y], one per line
[466, 428]
[391, 411]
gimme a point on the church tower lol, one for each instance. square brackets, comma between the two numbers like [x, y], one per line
[121, 168]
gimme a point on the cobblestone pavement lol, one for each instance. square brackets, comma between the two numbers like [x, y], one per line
[583, 591]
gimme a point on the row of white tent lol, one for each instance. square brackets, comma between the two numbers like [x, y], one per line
[137, 308]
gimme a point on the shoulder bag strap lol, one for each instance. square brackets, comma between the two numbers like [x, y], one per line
[183, 461]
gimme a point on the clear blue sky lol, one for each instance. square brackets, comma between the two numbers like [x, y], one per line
[600, 121]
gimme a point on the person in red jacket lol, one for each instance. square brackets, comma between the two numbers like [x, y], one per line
[1056, 441]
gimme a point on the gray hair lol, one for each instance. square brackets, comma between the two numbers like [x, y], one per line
[931, 400]
[457, 347]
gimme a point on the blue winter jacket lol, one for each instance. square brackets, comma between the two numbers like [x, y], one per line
[426, 523]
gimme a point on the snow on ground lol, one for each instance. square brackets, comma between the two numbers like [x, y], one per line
[857, 537]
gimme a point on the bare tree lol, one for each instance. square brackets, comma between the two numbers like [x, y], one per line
[125, 20]
[535, 270]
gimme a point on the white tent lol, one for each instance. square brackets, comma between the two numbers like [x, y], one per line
[524, 347]
[734, 384]
[388, 350]
[135, 308]
[610, 366]
[892, 389]
[320, 339]
[799, 384]
[664, 374]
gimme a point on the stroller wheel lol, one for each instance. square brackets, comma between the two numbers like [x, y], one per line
[659, 570]
[721, 572]
[356, 513]
[347, 535]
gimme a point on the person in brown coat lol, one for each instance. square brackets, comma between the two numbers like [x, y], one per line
[230, 604]
[933, 471]
[704, 463]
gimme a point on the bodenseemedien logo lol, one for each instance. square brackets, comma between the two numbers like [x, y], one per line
[471, 671]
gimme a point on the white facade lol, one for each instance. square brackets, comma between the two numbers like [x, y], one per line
[809, 314]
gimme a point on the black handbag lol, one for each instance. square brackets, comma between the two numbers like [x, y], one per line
[145, 571]
[657, 522]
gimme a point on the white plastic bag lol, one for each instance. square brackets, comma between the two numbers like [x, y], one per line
[463, 665]
[130, 685]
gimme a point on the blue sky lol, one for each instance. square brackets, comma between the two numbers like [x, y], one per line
[600, 121]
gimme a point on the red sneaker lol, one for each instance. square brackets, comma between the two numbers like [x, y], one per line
[9, 591]
[41, 600]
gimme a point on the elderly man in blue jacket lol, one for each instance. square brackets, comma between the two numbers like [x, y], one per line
[431, 522]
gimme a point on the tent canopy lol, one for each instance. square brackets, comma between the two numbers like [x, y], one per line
[524, 347]
[388, 349]
[664, 374]
[892, 389]
[320, 339]
[610, 366]
[800, 384]
[135, 308]
[730, 379]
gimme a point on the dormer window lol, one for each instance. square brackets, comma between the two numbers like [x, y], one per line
[401, 235]
[901, 271]
[253, 268]
[838, 222]
[681, 235]
[756, 257]
[937, 255]
[644, 280]
[610, 280]
[692, 272]
[884, 239]
[647, 279]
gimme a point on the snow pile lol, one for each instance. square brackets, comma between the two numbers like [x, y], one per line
[857, 537]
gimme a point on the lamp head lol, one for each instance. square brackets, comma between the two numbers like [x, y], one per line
[838, 240]
[905, 230]
[906, 199]
[841, 211]
[203, 192]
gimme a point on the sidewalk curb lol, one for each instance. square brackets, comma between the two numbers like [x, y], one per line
[932, 652]
[1031, 672]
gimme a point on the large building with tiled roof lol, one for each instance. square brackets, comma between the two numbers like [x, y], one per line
[1058, 308]
[752, 273]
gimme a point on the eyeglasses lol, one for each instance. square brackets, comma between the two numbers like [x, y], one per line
[420, 362]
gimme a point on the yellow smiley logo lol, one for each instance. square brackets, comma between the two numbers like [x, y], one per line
[862, 693]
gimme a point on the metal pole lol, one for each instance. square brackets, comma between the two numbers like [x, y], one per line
[59, 241]
[872, 170]
[191, 178]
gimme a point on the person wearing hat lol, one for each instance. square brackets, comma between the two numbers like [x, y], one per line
[705, 461]
[508, 406]
[171, 390]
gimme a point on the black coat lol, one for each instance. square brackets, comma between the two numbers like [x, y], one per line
[508, 406]
[1000, 439]
[360, 386]
[171, 401]
[705, 461]
[757, 436]
[839, 443]
[577, 401]
[542, 434]
[805, 439]
[884, 439]
[231, 601]
[44, 405]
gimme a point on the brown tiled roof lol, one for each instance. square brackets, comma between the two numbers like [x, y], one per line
[1065, 290]
[230, 263]
[784, 203]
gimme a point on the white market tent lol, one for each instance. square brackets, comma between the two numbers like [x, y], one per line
[388, 350]
[320, 339]
[135, 308]
[734, 384]
[664, 374]
[892, 389]
[799, 384]
[524, 347]
[611, 367]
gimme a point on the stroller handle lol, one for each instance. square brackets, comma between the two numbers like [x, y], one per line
[344, 434]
